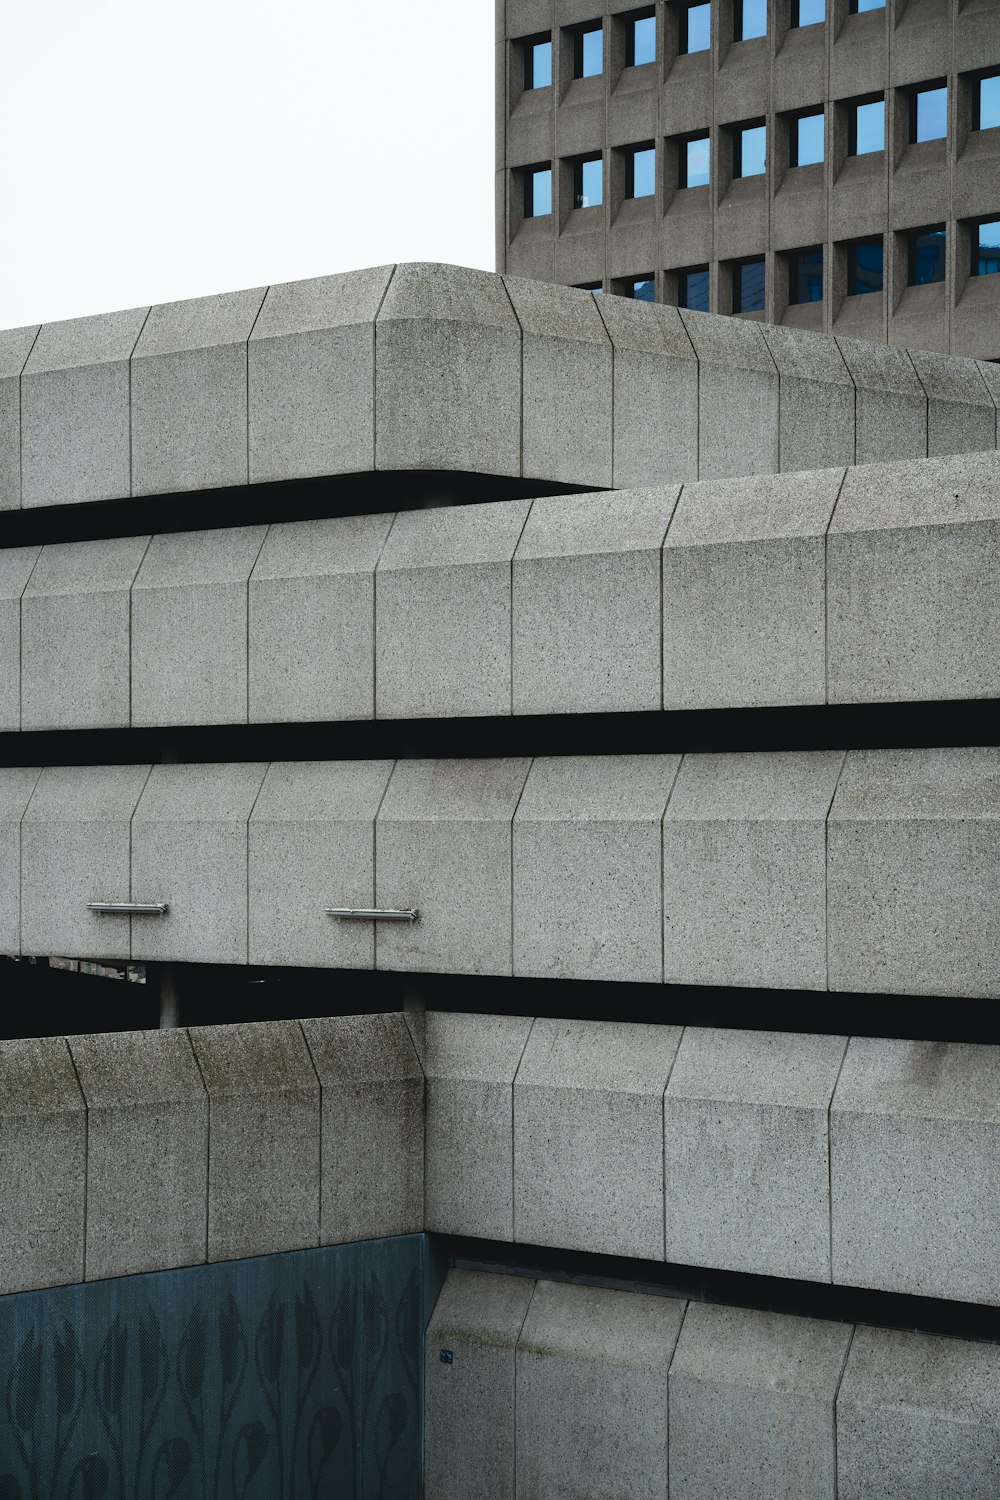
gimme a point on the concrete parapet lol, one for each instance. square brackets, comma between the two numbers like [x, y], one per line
[16, 787]
[961, 416]
[15, 346]
[655, 393]
[816, 399]
[891, 404]
[16, 564]
[737, 396]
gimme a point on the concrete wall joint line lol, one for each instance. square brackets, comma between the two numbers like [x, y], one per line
[208, 1133]
[829, 1168]
[520, 325]
[86, 1154]
[381, 301]
[836, 1399]
[20, 420]
[513, 1140]
[319, 1143]
[131, 485]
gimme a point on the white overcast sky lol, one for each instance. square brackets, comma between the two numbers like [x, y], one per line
[154, 151]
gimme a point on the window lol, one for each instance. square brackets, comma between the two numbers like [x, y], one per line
[588, 182]
[866, 127]
[692, 288]
[642, 288]
[588, 52]
[748, 285]
[806, 139]
[749, 19]
[749, 150]
[929, 113]
[640, 40]
[537, 192]
[696, 28]
[640, 175]
[856, 7]
[693, 165]
[864, 267]
[986, 248]
[807, 12]
[925, 252]
[590, 286]
[538, 63]
[986, 103]
[805, 276]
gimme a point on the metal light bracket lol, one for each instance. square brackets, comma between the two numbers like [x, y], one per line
[372, 913]
[130, 908]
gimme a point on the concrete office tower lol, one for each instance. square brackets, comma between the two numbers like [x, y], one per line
[823, 164]
[542, 747]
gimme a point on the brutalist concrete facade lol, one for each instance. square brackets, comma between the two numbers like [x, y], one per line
[839, 55]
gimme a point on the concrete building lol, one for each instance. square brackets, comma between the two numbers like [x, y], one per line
[822, 164]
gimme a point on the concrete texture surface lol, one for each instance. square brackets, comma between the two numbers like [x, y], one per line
[443, 612]
[914, 873]
[43, 1164]
[443, 847]
[15, 346]
[587, 857]
[16, 564]
[147, 1151]
[311, 620]
[744, 869]
[744, 592]
[586, 603]
[816, 400]
[588, 1136]
[264, 1142]
[961, 416]
[372, 1150]
[469, 1063]
[655, 393]
[312, 846]
[746, 1151]
[891, 402]
[189, 394]
[737, 397]
[189, 627]
[469, 1398]
[915, 1169]
[16, 787]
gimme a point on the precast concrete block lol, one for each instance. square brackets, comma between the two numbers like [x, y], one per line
[744, 592]
[738, 408]
[915, 1169]
[991, 379]
[189, 394]
[16, 565]
[586, 603]
[588, 900]
[372, 1143]
[147, 1151]
[189, 849]
[311, 652]
[592, 1368]
[189, 627]
[43, 1163]
[918, 1416]
[443, 848]
[746, 1143]
[815, 399]
[264, 1142]
[443, 612]
[75, 410]
[588, 1136]
[312, 847]
[744, 869]
[469, 1383]
[655, 393]
[913, 580]
[961, 416]
[75, 849]
[891, 404]
[752, 1399]
[568, 382]
[913, 873]
[16, 787]
[469, 1063]
[75, 647]
[447, 373]
[311, 371]
[15, 346]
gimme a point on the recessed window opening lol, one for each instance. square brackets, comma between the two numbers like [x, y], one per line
[929, 113]
[748, 285]
[749, 20]
[640, 39]
[865, 267]
[537, 192]
[805, 276]
[806, 139]
[640, 174]
[695, 28]
[588, 52]
[692, 288]
[986, 248]
[986, 102]
[643, 288]
[538, 63]
[589, 286]
[588, 182]
[866, 127]
[694, 162]
[749, 150]
[858, 7]
[925, 255]
[806, 12]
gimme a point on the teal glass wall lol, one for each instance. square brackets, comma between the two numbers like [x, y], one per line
[289, 1377]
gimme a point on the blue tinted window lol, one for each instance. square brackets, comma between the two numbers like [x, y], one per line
[808, 143]
[751, 152]
[989, 103]
[642, 43]
[538, 65]
[589, 51]
[644, 289]
[697, 28]
[868, 128]
[931, 111]
[808, 12]
[692, 289]
[538, 193]
[695, 162]
[751, 19]
[748, 286]
[864, 267]
[805, 276]
[926, 257]
[986, 249]
[858, 6]
[589, 183]
[643, 173]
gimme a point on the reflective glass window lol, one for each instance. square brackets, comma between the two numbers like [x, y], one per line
[867, 128]
[641, 41]
[988, 115]
[930, 115]
[807, 140]
[692, 289]
[748, 286]
[538, 65]
[538, 193]
[986, 248]
[588, 53]
[644, 289]
[750, 156]
[590, 286]
[858, 6]
[696, 28]
[926, 256]
[864, 267]
[808, 12]
[588, 185]
[642, 174]
[805, 276]
[750, 19]
[695, 162]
